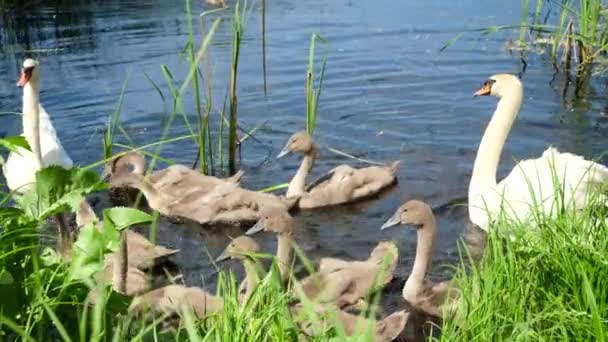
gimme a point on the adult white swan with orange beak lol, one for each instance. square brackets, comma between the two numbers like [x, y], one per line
[46, 149]
[532, 183]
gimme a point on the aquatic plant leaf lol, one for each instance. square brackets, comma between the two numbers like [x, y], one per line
[274, 187]
[119, 218]
[6, 278]
[14, 143]
[87, 253]
[451, 41]
[123, 217]
[118, 302]
[12, 218]
[58, 189]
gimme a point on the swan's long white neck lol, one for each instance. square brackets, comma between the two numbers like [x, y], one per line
[297, 186]
[31, 119]
[493, 141]
[424, 250]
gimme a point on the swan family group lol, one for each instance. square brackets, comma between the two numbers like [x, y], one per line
[181, 193]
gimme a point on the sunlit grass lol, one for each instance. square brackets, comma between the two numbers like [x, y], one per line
[538, 284]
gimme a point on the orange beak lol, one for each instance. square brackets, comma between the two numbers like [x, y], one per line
[486, 89]
[26, 74]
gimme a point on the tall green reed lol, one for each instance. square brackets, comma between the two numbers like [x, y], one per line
[113, 123]
[581, 22]
[239, 20]
[313, 92]
[580, 26]
[202, 127]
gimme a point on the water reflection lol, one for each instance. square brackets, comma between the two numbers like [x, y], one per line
[46, 27]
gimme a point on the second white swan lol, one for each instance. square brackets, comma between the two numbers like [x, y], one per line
[20, 168]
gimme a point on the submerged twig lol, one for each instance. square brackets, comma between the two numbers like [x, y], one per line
[356, 158]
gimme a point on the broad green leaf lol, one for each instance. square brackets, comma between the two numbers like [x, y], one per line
[58, 189]
[14, 143]
[87, 253]
[120, 218]
[13, 218]
[123, 217]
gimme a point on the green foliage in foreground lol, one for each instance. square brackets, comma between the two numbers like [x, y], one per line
[44, 298]
[549, 284]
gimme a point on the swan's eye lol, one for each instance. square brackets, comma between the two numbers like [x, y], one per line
[28, 71]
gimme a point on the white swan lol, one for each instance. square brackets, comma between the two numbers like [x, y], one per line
[531, 182]
[20, 168]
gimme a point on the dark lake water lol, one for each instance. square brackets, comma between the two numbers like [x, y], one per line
[389, 95]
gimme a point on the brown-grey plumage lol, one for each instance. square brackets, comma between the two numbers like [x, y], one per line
[438, 299]
[136, 281]
[175, 180]
[226, 203]
[385, 330]
[345, 283]
[340, 185]
[175, 298]
[282, 224]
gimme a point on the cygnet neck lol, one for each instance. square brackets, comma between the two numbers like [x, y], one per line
[152, 195]
[297, 186]
[251, 275]
[284, 253]
[424, 250]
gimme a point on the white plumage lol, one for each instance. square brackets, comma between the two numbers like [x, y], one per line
[20, 168]
[539, 182]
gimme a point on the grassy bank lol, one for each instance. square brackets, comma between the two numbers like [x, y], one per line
[548, 284]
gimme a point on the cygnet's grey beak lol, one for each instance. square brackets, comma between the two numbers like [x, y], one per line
[223, 256]
[283, 152]
[105, 175]
[258, 227]
[391, 222]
